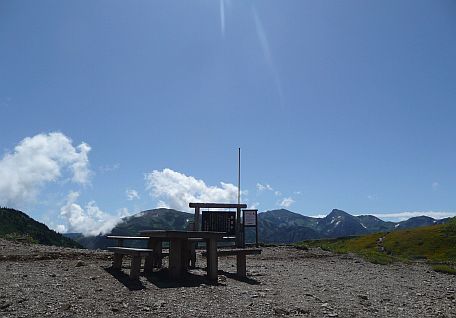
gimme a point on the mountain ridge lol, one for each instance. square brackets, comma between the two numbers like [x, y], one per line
[16, 224]
[275, 226]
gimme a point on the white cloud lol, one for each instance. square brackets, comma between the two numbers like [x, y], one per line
[277, 193]
[372, 197]
[123, 212]
[176, 190]
[131, 194]
[38, 160]
[109, 168]
[400, 216]
[61, 228]
[287, 202]
[435, 185]
[90, 220]
[254, 205]
[261, 187]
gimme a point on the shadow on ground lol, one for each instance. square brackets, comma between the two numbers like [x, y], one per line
[161, 279]
[125, 279]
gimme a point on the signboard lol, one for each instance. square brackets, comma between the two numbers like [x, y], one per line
[250, 217]
[219, 222]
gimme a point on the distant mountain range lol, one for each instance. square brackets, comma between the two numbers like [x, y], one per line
[17, 225]
[277, 226]
[283, 226]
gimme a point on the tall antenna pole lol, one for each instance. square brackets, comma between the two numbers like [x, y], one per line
[239, 175]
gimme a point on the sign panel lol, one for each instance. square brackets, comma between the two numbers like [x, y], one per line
[219, 222]
[250, 218]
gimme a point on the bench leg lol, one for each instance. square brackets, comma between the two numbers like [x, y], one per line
[192, 255]
[175, 258]
[135, 267]
[240, 264]
[117, 261]
[149, 263]
[212, 260]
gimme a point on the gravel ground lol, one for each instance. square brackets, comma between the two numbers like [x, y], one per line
[41, 281]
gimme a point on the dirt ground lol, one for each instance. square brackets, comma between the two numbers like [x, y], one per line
[41, 281]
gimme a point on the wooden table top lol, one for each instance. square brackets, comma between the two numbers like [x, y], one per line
[171, 234]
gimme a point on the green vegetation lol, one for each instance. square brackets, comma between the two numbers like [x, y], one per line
[434, 244]
[16, 225]
[444, 269]
[365, 246]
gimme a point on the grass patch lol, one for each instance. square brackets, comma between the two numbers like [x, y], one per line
[444, 269]
[432, 244]
[377, 257]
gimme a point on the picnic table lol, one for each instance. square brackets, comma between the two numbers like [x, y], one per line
[179, 244]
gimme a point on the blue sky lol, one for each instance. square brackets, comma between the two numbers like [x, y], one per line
[132, 105]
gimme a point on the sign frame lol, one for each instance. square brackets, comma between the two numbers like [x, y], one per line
[248, 222]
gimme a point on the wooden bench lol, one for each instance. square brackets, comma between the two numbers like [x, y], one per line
[240, 254]
[193, 245]
[120, 239]
[135, 253]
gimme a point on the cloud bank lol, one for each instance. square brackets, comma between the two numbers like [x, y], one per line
[90, 220]
[175, 190]
[38, 160]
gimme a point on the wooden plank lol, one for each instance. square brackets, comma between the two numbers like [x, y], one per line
[120, 237]
[237, 251]
[217, 205]
[167, 234]
[130, 250]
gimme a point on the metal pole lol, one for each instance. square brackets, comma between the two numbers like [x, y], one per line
[239, 176]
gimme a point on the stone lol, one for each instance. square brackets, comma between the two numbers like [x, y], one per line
[80, 263]
[281, 311]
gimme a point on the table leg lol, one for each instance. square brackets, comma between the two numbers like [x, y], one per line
[212, 260]
[158, 257]
[149, 260]
[117, 262]
[175, 258]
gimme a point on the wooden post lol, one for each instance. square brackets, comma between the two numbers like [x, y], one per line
[212, 260]
[197, 219]
[256, 228]
[238, 228]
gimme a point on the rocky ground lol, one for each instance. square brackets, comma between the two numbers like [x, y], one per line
[40, 281]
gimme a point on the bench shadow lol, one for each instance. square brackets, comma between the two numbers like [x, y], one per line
[125, 279]
[234, 276]
[161, 279]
